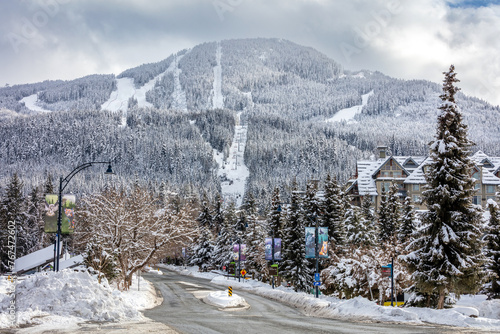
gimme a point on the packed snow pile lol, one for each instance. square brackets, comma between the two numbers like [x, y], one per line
[75, 297]
[222, 300]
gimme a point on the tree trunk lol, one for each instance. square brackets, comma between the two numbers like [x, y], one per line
[440, 305]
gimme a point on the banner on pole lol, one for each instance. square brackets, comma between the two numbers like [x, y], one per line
[311, 242]
[50, 213]
[67, 214]
[237, 252]
[269, 250]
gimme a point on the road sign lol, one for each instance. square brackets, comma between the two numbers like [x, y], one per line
[224, 268]
[273, 270]
[317, 283]
[316, 277]
[386, 271]
[243, 272]
[230, 291]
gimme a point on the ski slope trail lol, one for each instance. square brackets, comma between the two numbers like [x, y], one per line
[125, 89]
[349, 113]
[30, 103]
[233, 172]
[218, 99]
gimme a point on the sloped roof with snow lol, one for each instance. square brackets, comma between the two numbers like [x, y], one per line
[413, 166]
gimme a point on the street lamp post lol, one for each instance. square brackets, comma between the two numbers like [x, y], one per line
[316, 250]
[62, 185]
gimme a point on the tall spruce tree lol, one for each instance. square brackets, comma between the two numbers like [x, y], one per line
[13, 214]
[446, 257]
[333, 212]
[295, 266]
[408, 222]
[275, 214]
[388, 214]
[493, 250]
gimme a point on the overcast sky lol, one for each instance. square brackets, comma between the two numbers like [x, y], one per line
[66, 39]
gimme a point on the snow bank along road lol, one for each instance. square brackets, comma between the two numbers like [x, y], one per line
[184, 311]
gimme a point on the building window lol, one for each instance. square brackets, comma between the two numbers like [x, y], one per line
[490, 197]
[476, 200]
[490, 189]
[386, 186]
[477, 185]
[476, 175]
[416, 199]
[416, 187]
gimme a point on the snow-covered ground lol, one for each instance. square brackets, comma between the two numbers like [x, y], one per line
[234, 172]
[359, 308]
[53, 300]
[30, 103]
[349, 113]
[218, 99]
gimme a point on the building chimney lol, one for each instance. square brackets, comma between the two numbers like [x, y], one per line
[382, 152]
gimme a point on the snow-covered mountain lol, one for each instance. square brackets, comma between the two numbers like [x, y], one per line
[303, 117]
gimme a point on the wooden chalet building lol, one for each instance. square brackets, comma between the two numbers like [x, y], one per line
[408, 172]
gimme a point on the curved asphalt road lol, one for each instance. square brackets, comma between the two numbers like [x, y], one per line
[184, 311]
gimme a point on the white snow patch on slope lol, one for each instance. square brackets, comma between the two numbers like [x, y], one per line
[179, 96]
[349, 113]
[218, 99]
[233, 172]
[30, 103]
[118, 99]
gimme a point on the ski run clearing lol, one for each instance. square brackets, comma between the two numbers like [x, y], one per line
[349, 113]
[233, 172]
[218, 99]
[118, 100]
[30, 103]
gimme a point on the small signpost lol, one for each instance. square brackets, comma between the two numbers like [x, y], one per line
[316, 277]
[231, 268]
[273, 270]
[243, 272]
[388, 271]
[317, 283]
[224, 268]
[230, 291]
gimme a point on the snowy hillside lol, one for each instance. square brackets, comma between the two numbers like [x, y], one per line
[305, 117]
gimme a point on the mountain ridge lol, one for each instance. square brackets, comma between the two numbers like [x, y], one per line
[282, 91]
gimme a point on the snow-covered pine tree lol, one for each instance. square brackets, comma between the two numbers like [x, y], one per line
[333, 212]
[359, 231]
[408, 222]
[493, 250]
[34, 220]
[255, 241]
[446, 256]
[367, 211]
[218, 215]
[388, 214]
[296, 268]
[223, 248]
[275, 215]
[14, 210]
[205, 217]
[203, 251]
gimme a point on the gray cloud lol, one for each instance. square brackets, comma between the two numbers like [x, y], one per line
[65, 39]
